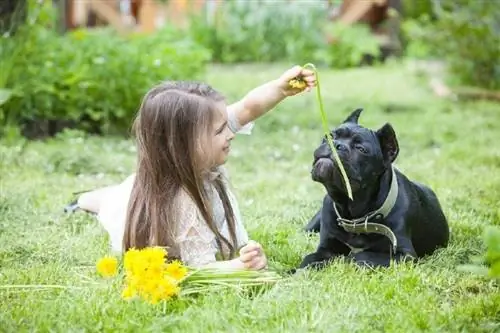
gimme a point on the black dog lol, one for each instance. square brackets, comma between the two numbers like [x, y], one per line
[390, 217]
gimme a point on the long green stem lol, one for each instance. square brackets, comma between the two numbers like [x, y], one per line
[327, 131]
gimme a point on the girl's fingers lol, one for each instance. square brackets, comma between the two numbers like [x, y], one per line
[310, 79]
[257, 263]
[247, 257]
[307, 73]
[251, 246]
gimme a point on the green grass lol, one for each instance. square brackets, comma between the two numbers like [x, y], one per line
[451, 146]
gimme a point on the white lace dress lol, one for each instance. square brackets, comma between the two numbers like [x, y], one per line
[194, 243]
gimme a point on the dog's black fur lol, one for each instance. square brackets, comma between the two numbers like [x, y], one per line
[416, 219]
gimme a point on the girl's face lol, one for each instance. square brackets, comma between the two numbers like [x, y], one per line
[219, 138]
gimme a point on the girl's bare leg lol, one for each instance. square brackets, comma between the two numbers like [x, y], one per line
[91, 201]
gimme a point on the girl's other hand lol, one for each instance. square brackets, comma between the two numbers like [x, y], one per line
[252, 256]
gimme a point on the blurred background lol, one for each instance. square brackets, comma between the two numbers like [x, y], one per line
[72, 75]
[85, 64]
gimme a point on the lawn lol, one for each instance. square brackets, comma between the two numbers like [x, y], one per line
[451, 146]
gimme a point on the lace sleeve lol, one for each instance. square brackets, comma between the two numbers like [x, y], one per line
[235, 126]
[194, 240]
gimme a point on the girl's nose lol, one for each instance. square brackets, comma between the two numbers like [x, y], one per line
[230, 135]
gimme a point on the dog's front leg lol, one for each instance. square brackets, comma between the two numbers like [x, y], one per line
[404, 249]
[329, 245]
[314, 224]
[325, 253]
[318, 259]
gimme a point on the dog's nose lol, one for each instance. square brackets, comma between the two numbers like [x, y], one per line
[340, 146]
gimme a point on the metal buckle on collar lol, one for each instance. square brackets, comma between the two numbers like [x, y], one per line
[368, 227]
[353, 224]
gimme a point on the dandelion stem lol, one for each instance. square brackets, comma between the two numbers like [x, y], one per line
[327, 131]
[38, 286]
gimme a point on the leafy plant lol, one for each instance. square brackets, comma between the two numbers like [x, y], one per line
[349, 46]
[467, 35]
[90, 80]
[270, 31]
[416, 9]
[266, 31]
[487, 264]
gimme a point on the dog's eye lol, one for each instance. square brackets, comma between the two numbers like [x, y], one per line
[361, 149]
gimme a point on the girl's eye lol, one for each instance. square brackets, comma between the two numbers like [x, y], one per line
[220, 130]
[361, 149]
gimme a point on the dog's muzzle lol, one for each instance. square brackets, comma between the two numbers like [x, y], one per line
[323, 169]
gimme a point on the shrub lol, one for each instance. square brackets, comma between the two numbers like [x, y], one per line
[415, 9]
[91, 80]
[267, 31]
[487, 263]
[351, 45]
[270, 31]
[466, 34]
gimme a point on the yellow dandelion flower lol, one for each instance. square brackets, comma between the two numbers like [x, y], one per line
[169, 287]
[148, 276]
[155, 256]
[149, 286]
[128, 292]
[107, 266]
[153, 299]
[297, 83]
[176, 270]
[165, 289]
[130, 259]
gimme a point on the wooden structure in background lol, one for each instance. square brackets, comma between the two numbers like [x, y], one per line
[139, 15]
[382, 16]
[149, 15]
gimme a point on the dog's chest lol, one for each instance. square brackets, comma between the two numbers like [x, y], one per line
[360, 242]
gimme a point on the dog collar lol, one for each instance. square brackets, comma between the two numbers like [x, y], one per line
[362, 224]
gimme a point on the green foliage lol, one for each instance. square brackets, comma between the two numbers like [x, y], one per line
[93, 80]
[416, 33]
[415, 9]
[488, 263]
[270, 171]
[268, 31]
[247, 31]
[351, 44]
[467, 35]
[12, 24]
[12, 14]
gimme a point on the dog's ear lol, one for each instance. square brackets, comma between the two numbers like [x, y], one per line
[388, 143]
[354, 116]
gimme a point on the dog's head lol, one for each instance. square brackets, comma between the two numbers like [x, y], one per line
[365, 155]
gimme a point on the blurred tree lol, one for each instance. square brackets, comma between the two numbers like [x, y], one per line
[12, 14]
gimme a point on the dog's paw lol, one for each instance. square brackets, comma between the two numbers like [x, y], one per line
[367, 259]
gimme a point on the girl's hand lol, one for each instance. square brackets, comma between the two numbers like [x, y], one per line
[252, 256]
[296, 72]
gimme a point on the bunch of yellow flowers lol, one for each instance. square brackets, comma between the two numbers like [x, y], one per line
[147, 274]
[150, 277]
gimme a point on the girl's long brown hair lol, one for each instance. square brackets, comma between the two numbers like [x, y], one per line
[173, 120]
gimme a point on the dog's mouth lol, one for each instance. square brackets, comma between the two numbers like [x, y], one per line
[322, 170]
[326, 172]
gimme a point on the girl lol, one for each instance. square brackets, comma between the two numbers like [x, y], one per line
[179, 196]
